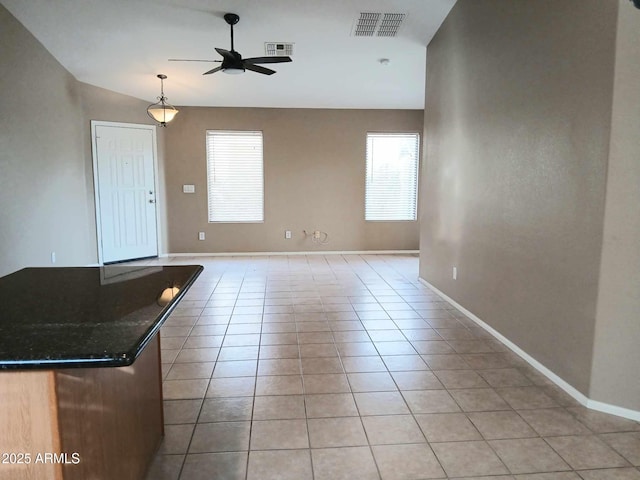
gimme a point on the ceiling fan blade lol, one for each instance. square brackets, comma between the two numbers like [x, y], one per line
[226, 54]
[190, 60]
[268, 59]
[258, 68]
[214, 70]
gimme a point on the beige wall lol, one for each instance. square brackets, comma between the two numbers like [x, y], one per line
[517, 123]
[42, 172]
[314, 163]
[616, 357]
[46, 178]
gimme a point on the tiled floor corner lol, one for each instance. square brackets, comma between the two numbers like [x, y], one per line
[346, 367]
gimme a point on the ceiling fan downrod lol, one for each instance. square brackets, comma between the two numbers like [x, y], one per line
[231, 19]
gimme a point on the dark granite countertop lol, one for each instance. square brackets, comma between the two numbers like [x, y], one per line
[85, 316]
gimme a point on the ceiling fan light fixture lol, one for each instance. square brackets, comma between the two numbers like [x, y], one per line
[161, 111]
[233, 70]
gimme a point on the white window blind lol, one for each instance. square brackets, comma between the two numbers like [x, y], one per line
[235, 176]
[392, 176]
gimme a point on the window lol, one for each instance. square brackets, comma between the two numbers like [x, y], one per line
[235, 176]
[392, 176]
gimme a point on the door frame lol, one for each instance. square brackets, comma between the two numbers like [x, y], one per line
[96, 196]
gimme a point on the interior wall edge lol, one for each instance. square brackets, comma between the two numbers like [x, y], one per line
[556, 379]
[617, 332]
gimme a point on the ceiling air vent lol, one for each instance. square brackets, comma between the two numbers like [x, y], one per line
[390, 24]
[372, 24]
[366, 24]
[276, 49]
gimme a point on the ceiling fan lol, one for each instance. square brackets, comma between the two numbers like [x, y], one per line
[232, 61]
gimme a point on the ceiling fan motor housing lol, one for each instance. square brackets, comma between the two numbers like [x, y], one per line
[231, 18]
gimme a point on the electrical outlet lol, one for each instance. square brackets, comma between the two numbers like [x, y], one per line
[200, 235]
[287, 234]
[316, 235]
[53, 257]
[455, 273]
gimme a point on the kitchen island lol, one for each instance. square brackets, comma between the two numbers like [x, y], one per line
[80, 377]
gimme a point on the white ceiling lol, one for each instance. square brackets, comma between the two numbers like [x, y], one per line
[122, 44]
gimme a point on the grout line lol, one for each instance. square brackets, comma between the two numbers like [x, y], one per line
[322, 278]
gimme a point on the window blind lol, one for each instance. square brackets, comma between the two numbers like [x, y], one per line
[391, 191]
[235, 176]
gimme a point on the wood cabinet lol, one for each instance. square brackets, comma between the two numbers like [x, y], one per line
[101, 423]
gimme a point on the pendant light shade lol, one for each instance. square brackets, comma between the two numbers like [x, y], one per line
[161, 111]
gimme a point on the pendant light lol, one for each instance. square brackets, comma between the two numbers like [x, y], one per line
[162, 111]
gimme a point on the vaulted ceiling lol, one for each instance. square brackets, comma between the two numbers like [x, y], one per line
[122, 45]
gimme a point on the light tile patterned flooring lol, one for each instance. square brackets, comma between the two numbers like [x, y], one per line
[345, 367]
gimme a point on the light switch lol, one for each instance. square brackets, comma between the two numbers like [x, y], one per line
[188, 189]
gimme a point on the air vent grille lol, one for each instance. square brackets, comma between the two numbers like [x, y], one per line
[390, 24]
[276, 49]
[373, 24]
[367, 24]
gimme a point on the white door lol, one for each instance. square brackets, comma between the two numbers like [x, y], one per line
[124, 177]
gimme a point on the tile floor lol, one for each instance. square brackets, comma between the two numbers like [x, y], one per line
[345, 367]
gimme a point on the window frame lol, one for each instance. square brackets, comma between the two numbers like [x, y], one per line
[417, 174]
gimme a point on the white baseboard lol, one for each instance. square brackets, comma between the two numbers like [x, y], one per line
[613, 409]
[262, 254]
[563, 384]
